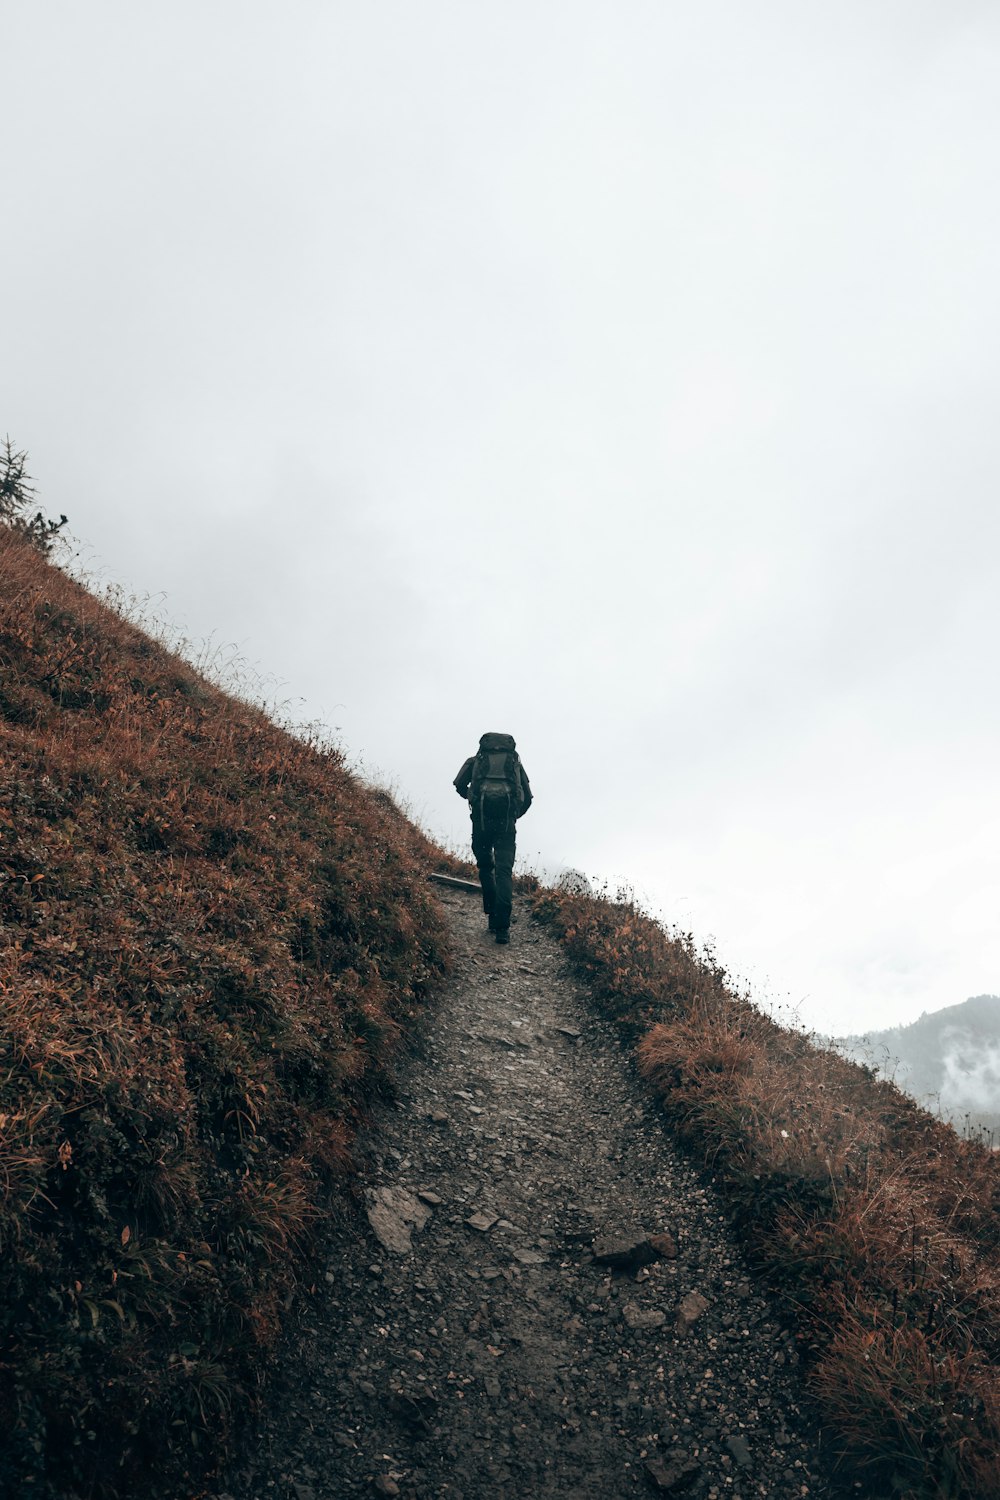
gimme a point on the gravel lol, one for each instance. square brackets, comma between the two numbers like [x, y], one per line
[495, 1357]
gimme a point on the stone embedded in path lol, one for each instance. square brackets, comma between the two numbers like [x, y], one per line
[382, 1484]
[643, 1317]
[426, 1196]
[571, 1031]
[671, 1479]
[529, 1257]
[628, 1252]
[664, 1244]
[482, 1221]
[737, 1445]
[689, 1310]
[438, 1117]
[415, 1409]
[394, 1213]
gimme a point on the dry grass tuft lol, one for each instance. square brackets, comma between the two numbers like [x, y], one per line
[874, 1222]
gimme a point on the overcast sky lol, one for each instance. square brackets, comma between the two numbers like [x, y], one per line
[623, 376]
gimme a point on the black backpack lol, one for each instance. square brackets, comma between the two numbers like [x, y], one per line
[496, 792]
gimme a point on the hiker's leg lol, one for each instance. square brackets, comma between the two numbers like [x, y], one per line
[482, 849]
[504, 847]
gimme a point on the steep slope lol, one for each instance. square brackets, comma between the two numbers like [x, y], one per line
[211, 937]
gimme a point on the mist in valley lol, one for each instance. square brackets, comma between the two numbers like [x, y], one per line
[948, 1061]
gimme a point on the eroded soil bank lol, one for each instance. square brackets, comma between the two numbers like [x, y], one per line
[497, 1357]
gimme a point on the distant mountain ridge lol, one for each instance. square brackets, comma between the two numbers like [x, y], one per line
[948, 1059]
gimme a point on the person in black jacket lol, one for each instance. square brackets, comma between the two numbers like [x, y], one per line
[497, 788]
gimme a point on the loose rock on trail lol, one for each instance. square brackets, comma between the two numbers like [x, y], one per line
[536, 1294]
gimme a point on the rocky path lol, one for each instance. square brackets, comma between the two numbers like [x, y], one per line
[554, 1307]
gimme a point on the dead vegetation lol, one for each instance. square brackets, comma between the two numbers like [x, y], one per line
[211, 938]
[874, 1222]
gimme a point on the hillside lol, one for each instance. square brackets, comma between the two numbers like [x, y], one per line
[213, 942]
[948, 1060]
[873, 1224]
[211, 937]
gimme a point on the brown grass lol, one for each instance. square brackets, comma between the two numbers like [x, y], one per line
[212, 938]
[874, 1222]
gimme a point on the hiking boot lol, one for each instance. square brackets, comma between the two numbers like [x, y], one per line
[503, 935]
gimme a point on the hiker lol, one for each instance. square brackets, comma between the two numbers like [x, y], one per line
[496, 786]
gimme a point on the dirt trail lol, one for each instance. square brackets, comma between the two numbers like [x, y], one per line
[504, 1361]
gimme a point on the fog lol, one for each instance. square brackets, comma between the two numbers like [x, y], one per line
[619, 376]
[971, 1074]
